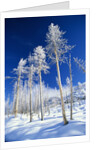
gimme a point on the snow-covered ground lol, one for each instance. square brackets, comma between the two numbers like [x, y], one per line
[19, 129]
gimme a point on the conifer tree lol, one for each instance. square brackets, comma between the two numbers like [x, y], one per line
[31, 72]
[20, 70]
[41, 65]
[80, 63]
[71, 88]
[56, 48]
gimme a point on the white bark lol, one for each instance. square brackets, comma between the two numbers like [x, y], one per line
[57, 48]
[60, 87]
[41, 98]
[30, 84]
[71, 102]
[17, 97]
[8, 107]
[41, 65]
[38, 97]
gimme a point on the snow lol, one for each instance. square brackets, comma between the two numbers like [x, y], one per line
[21, 67]
[19, 129]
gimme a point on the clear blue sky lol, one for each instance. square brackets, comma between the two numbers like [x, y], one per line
[22, 35]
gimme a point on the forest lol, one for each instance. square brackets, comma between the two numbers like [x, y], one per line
[37, 110]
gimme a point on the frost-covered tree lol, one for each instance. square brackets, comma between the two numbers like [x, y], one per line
[25, 96]
[47, 107]
[80, 63]
[81, 91]
[19, 71]
[7, 107]
[14, 96]
[67, 89]
[41, 65]
[71, 88]
[36, 100]
[21, 100]
[57, 48]
[31, 71]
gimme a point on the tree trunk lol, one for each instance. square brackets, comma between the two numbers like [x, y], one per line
[38, 105]
[28, 103]
[8, 108]
[71, 102]
[30, 99]
[47, 103]
[17, 97]
[60, 87]
[41, 98]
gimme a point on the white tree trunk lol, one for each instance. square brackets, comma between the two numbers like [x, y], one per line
[28, 103]
[8, 108]
[17, 97]
[71, 90]
[60, 87]
[30, 100]
[47, 103]
[37, 105]
[41, 98]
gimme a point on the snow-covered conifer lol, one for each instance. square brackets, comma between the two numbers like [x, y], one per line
[41, 65]
[7, 107]
[20, 70]
[31, 72]
[71, 88]
[80, 63]
[14, 96]
[57, 48]
[25, 95]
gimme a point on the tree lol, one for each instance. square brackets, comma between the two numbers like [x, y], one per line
[21, 98]
[25, 96]
[80, 63]
[14, 95]
[57, 48]
[68, 88]
[31, 71]
[81, 91]
[41, 65]
[7, 107]
[71, 102]
[19, 71]
[47, 101]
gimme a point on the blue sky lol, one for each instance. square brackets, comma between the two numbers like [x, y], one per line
[22, 35]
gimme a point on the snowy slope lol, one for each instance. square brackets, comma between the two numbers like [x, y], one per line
[19, 129]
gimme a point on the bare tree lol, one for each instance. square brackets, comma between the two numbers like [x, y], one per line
[36, 100]
[7, 107]
[41, 65]
[71, 102]
[31, 71]
[67, 89]
[47, 109]
[14, 95]
[19, 71]
[57, 48]
[80, 63]
[25, 96]
[21, 98]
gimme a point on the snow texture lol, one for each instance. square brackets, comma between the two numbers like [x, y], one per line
[55, 40]
[19, 129]
[21, 67]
